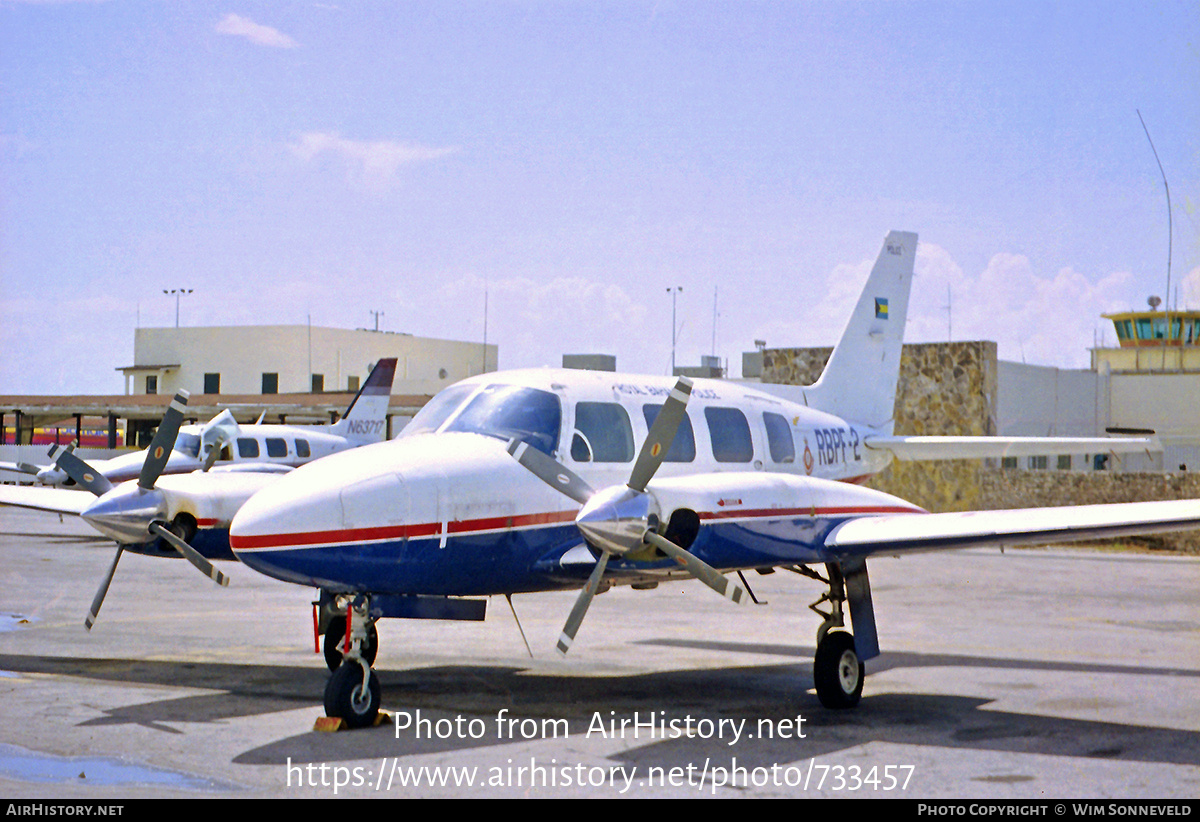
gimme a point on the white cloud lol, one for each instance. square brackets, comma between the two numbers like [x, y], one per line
[372, 161]
[1189, 290]
[1033, 317]
[254, 32]
[535, 323]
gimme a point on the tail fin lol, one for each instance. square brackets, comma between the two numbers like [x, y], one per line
[859, 381]
[365, 420]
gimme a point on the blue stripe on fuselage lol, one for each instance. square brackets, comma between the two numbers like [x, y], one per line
[523, 560]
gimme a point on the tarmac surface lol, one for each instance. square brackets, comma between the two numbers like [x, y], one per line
[1033, 674]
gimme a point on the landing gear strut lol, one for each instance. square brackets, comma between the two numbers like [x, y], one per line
[335, 641]
[838, 672]
[353, 693]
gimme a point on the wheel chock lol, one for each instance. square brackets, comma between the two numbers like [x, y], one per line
[332, 724]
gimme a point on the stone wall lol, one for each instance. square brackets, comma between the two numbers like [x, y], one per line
[951, 389]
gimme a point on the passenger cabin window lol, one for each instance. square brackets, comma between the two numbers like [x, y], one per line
[730, 433]
[247, 448]
[683, 447]
[276, 447]
[779, 438]
[602, 433]
[512, 411]
[302, 449]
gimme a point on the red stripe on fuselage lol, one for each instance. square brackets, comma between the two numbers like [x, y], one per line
[432, 529]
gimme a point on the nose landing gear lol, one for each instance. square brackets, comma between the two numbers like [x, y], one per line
[353, 693]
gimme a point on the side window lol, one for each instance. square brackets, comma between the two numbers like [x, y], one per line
[247, 448]
[602, 433]
[779, 438]
[730, 434]
[683, 447]
[302, 449]
[276, 447]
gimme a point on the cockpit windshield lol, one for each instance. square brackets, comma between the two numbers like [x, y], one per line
[188, 444]
[438, 410]
[504, 411]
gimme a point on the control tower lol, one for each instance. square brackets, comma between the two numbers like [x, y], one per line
[1152, 342]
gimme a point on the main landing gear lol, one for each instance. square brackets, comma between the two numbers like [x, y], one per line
[352, 693]
[838, 670]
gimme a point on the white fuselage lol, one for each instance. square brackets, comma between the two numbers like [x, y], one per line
[446, 501]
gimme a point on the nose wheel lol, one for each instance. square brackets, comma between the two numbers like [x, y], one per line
[353, 694]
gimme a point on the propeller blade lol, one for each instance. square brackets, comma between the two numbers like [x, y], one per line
[662, 434]
[85, 476]
[164, 440]
[98, 600]
[189, 553]
[581, 605]
[698, 568]
[211, 459]
[551, 471]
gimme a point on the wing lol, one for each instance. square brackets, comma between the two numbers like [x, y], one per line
[948, 448]
[58, 500]
[904, 533]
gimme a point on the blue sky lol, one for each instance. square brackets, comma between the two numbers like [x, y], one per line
[576, 160]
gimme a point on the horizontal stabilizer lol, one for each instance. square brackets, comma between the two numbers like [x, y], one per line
[895, 534]
[959, 448]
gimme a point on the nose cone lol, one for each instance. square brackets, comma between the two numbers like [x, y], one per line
[281, 531]
[617, 518]
[125, 513]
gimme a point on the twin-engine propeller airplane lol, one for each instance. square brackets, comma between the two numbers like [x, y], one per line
[222, 439]
[535, 480]
[188, 514]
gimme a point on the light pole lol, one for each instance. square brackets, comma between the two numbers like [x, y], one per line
[178, 292]
[674, 292]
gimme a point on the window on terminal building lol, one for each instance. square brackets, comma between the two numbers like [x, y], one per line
[352, 384]
[270, 383]
[318, 383]
[212, 383]
[152, 384]
[1064, 462]
[1038, 463]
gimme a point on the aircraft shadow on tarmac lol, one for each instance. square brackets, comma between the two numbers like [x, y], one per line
[771, 692]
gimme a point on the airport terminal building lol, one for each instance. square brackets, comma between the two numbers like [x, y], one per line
[294, 359]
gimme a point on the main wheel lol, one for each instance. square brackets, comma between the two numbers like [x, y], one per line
[335, 637]
[837, 671]
[346, 699]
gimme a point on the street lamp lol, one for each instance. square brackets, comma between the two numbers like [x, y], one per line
[674, 292]
[178, 292]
